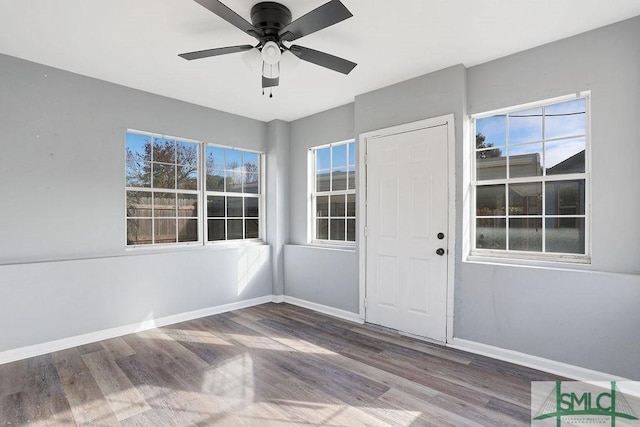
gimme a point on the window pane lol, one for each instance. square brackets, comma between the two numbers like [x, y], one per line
[234, 229]
[491, 233]
[525, 160]
[138, 204]
[525, 199]
[565, 197]
[525, 234]
[215, 169]
[323, 180]
[139, 232]
[565, 235]
[234, 181]
[525, 126]
[164, 150]
[187, 178]
[351, 230]
[187, 230]
[491, 132]
[251, 183]
[339, 167]
[216, 230]
[233, 159]
[491, 164]
[351, 151]
[138, 174]
[565, 119]
[351, 177]
[187, 154]
[138, 147]
[188, 205]
[164, 205]
[339, 179]
[323, 158]
[337, 229]
[322, 229]
[339, 156]
[351, 205]
[337, 206]
[565, 156]
[322, 206]
[165, 231]
[215, 206]
[234, 207]
[251, 207]
[490, 200]
[164, 176]
[251, 177]
[252, 231]
[251, 173]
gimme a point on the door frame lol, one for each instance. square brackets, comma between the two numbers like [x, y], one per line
[447, 120]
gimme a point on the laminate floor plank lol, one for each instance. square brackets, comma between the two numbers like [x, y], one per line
[267, 365]
[116, 348]
[123, 398]
[81, 390]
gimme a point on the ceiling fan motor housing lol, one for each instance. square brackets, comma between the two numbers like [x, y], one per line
[270, 17]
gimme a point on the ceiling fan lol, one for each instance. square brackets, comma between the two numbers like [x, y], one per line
[272, 27]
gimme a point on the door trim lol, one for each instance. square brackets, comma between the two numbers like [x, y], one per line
[447, 120]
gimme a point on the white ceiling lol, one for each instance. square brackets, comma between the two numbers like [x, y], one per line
[135, 43]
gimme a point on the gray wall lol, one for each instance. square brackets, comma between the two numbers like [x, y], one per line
[277, 198]
[589, 317]
[317, 274]
[63, 198]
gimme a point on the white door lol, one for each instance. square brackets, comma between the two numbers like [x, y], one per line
[406, 226]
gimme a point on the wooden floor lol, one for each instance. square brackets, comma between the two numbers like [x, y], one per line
[274, 364]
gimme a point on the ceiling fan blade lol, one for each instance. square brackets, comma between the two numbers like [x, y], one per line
[322, 17]
[215, 52]
[323, 59]
[230, 16]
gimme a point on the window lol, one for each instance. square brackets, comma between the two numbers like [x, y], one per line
[530, 181]
[233, 194]
[165, 192]
[333, 197]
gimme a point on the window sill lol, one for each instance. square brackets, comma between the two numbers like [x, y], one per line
[193, 246]
[332, 246]
[577, 263]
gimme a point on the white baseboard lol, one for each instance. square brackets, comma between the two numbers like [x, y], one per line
[325, 309]
[61, 344]
[277, 298]
[558, 368]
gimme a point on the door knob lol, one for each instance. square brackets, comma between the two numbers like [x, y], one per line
[440, 251]
[440, 236]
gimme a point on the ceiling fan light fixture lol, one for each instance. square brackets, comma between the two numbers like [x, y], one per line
[289, 61]
[253, 60]
[271, 53]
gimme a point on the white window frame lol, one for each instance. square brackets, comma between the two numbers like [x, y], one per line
[313, 194]
[201, 193]
[259, 196]
[520, 256]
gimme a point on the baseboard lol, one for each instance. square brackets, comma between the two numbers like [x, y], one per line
[277, 299]
[61, 344]
[558, 368]
[325, 309]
